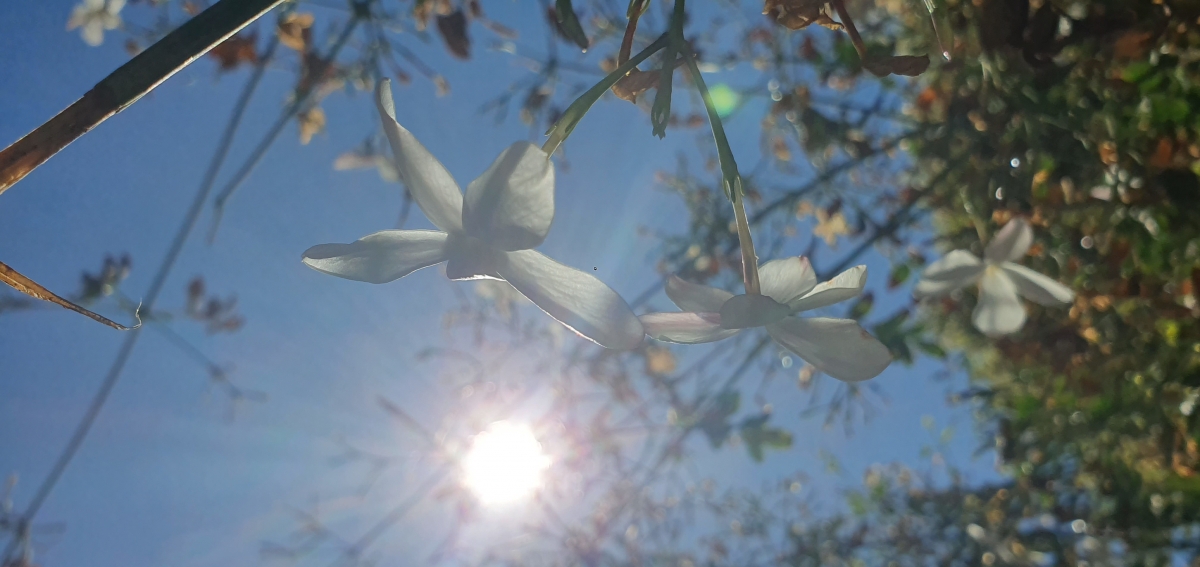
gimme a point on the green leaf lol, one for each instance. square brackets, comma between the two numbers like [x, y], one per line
[570, 23]
[573, 114]
[899, 275]
[758, 437]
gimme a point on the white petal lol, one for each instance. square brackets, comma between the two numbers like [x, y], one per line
[93, 5]
[353, 160]
[79, 16]
[427, 179]
[695, 297]
[93, 32]
[512, 204]
[1037, 287]
[114, 7]
[999, 311]
[387, 171]
[686, 328]
[575, 298]
[847, 285]
[955, 270]
[381, 257]
[837, 347]
[788, 279]
[1012, 242]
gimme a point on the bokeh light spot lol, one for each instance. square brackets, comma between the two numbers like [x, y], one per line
[724, 99]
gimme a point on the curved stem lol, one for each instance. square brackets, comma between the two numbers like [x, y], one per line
[731, 179]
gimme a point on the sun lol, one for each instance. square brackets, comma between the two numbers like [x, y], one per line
[505, 463]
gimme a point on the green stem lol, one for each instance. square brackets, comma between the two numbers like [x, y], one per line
[562, 128]
[660, 113]
[731, 180]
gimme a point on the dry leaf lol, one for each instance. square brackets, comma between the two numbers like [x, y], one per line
[31, 288]
[312, 122]
[659, 361]
[295, 31]
[799, 14]
[453, 28]
[236, 50]
[1164, 153]
[831, 226]
[906, 65]
[635, 83]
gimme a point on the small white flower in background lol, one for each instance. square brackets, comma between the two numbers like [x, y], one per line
[837, 347]
[366, 157]
[1001, 281]
[94, 17]
[488, 234]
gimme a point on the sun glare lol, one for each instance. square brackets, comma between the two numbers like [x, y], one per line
[505, 463]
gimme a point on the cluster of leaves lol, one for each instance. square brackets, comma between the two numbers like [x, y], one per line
[1080, 117]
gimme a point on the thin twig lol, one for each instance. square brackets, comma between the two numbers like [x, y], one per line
[156, 286]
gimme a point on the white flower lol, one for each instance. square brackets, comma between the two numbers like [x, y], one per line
[488, 234]
[94, 17]
[837, 347]
[364, 158]
[999, 310]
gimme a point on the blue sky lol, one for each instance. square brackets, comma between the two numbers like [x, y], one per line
[164, 478]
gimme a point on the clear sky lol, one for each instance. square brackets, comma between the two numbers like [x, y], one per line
[164, 478]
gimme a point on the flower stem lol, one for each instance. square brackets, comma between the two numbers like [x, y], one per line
[660, 113]
[731, 180]
[129, 83]
[562, 128]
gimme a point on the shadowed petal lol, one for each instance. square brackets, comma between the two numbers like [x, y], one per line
[837, 347]
[847, 285]
[751, 310]
[788, 279]
[428, 181]
[695, 297]
[955, 270]
[685, 328]
[1012, 242]
[381, 257]
[512, 204]
[1037, 287]
[999, 311]
[575, 298]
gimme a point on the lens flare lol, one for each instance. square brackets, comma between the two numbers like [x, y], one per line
[505, 463]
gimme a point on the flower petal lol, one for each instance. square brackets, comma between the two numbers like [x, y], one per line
[837, 347]
[685, 328]
[999, 311]
[953, 271]
[381, 257]
[847, 285]
[426, 178]
[788, 279]
[1012, 242]
[575, 298]
[695, 297]
[1036, 287]
[512, 204]
[92, 32]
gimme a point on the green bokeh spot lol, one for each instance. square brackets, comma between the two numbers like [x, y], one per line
[724, 99]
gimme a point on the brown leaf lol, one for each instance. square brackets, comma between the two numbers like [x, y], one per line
[312, 122]
[799, 14]
[635, 83]
[906, 65]
[295, 31]
[1163, 154]
[33, 289]
[236, 50]
[453, 28]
